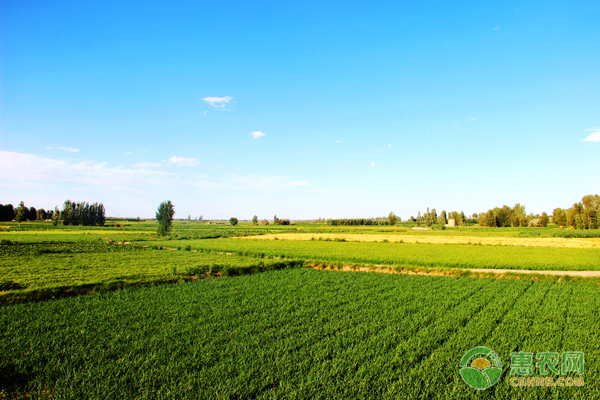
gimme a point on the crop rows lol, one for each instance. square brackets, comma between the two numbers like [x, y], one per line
[294, 334]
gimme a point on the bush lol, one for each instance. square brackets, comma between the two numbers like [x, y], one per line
[188, 248]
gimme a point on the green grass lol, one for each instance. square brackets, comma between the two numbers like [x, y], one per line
[423, 255]
[294, 334]
[53, 269]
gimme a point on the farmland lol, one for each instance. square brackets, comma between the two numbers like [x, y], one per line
[229, 312]
[295, 333]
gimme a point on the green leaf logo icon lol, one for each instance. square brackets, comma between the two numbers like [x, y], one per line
[480, 368]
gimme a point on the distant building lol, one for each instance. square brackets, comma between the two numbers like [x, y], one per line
[451, 222]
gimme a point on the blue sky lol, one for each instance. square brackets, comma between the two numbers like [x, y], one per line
[300, 109]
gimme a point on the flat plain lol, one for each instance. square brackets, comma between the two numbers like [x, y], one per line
[219, 312]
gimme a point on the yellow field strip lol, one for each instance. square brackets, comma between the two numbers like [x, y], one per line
[454, 271]
[475, 240]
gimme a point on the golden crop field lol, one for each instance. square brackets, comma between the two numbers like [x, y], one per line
[398, 238]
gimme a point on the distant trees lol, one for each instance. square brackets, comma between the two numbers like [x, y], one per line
[7, 212]
[164, 216]
[233, 221]
[358, 221]
[430, 217]
[82, 213]
[582, 215]
[255, 220]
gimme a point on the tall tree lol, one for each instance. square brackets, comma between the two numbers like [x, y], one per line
[559, 217]
[392, 218]
[21, 213]
[164, 216]
[255, 220]
[442, 219]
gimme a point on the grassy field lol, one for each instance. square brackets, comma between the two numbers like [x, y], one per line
[241, 318]
[413, 254]
[294, 334]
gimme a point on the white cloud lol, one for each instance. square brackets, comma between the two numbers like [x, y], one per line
[32, 169]
[496, 28]
[69, 149]
[218, 102]
[257, 134]
[146, 164]
[389, 146]
[184, 162]
[471, 119]
[373, 164]
[255, 182]
[337, 141]
[594, 137]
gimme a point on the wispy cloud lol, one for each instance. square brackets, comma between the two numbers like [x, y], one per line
[269, 182]
[373, 164]
[498, 27]
[389, 146]
[147, 164]
[471, 119]
[32, 169]
[337, 141]
[218, 102]
[257, 134]
[184, 162]
[594, 137]
[69, 149]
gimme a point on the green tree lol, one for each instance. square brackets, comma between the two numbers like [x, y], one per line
[392, 218]
[41, 214]
[164, 216]
[544, 219]
[56, 216]
[442, 219]
[21, 213]
[559, 217]
[255, 220]
[233, 221]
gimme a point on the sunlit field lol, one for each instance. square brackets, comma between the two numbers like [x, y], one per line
[213, 311]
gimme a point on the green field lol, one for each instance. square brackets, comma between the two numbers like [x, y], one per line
[193, 316]
[296, 333]
[406, 254]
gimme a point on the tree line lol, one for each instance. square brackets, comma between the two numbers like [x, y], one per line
[582, 215]
[82, 213]
[23, 213]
